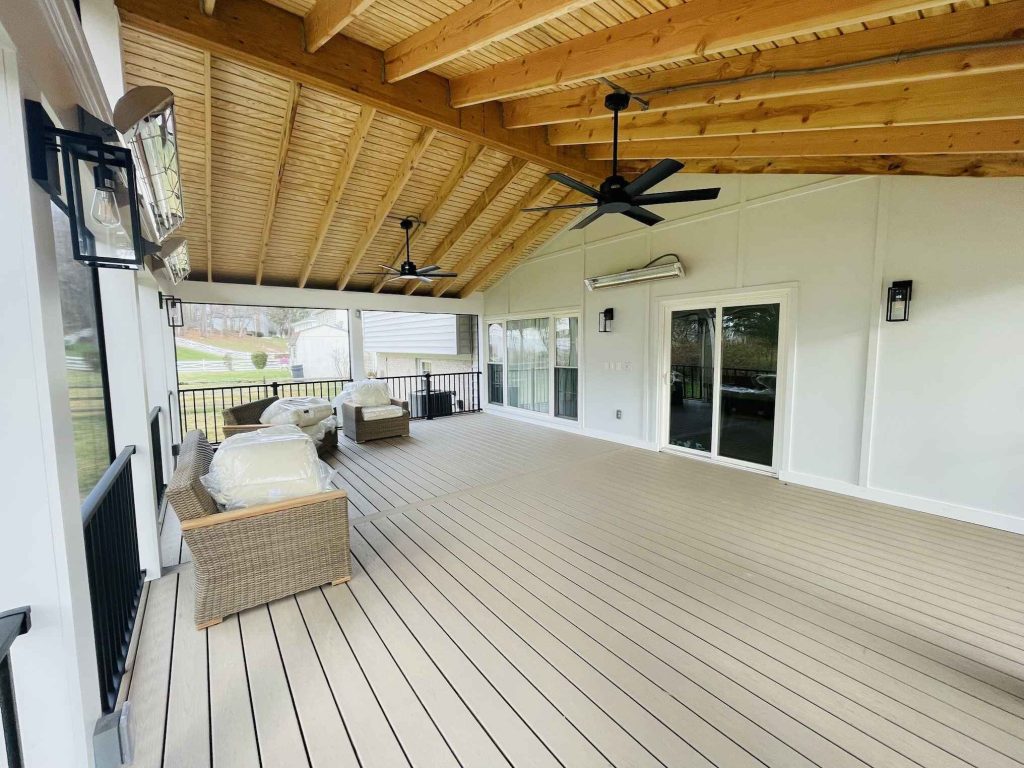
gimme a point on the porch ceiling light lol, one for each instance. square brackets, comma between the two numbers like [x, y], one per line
[644, 274]
[144, 117]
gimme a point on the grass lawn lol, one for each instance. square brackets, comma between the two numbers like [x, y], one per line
[187, 354]
[226, 378]
[272, 345]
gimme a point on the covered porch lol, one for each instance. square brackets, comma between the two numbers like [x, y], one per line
[524, 596]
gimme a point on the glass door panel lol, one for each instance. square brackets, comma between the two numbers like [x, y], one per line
[692, 376]
[749, 363]
[528, 364]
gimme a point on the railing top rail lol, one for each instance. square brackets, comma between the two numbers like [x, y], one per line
[13, 623]
[99, 493]
[153, 412]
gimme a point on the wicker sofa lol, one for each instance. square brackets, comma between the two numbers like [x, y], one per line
[246, 418]
[359, 429]
[251, 556]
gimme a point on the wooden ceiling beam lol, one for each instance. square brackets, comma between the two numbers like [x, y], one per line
[484, 200]
[499, 231]
[997, 22]
[341, 177]
[448, 186]
[328, 17]
[207, 6]
[275, 183]
[919, 165]
[471, 27]
[981, 97]
[514, 250]
[387, 202]
[682, 32]
[270, 39]
[983, 137]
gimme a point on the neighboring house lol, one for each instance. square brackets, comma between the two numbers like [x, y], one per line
[407, 343]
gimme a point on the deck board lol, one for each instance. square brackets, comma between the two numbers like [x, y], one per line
[524, 596]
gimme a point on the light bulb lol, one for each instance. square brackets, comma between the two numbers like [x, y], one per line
[104, 208]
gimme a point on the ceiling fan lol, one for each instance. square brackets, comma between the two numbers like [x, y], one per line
[616, 195]
[407, 270]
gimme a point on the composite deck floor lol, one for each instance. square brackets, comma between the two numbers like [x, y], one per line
[528, 597]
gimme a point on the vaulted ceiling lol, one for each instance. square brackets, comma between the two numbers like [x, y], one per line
[308, 128]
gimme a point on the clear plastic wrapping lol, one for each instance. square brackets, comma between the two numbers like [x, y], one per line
[266, 466]
[300, 411]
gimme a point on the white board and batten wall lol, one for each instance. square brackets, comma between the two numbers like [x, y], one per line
[927, 414]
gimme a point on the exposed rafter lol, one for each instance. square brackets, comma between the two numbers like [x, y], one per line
[469, 158]
[387, 202]
[997, 22]
[275, 183]
[995, 136]
[498, 232]
[341, 177]
[328, 17]
[514, 251]
[694, 29]
[471, 27]
[917, 165]
[982, 97]
[271, 39]
[505, 176]
[207, 6]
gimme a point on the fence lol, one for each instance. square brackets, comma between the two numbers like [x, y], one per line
[115, 578]
[13, 624]
[429, 396]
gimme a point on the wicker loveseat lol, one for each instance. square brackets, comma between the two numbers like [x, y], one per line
[359, 429]
[246, 418]
[250, 556]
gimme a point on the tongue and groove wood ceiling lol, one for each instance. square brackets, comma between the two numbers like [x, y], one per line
[308, 128]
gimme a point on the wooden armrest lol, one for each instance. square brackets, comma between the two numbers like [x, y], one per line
[237, 429]
[262, 509]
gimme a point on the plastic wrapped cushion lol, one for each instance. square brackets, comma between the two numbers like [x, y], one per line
[265, 466]
[375, 412]
[318, 430]
[300, 411]
[369, 392]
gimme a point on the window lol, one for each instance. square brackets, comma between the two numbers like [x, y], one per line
[495, 363]
[85, 359]
[533, 364]
[566, 367]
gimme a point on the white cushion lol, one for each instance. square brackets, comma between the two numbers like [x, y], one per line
[265, 466]
[317, 431]
[375, 412]
[300, 411]
[369, 392]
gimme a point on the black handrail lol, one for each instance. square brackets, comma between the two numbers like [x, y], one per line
[115, 575]
[13, 624]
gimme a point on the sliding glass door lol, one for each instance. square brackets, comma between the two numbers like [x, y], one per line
[723, 363]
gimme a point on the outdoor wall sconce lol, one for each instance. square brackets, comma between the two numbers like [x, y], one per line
[897, 306]
[76, 167]
[175, 313]
[604, 320]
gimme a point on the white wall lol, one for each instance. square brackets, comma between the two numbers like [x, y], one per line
[928, 414]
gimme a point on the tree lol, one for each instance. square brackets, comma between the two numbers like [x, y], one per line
[259, 360]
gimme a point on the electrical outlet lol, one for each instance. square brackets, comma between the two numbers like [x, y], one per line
[618, 414]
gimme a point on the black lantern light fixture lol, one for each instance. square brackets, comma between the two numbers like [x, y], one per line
[604, 320]
[897, 306]
[175, 313]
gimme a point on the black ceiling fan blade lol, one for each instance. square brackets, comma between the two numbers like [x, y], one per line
[432, 275]
[426, 269]
[559, 207]
[569, 181]
[643, 216]
[590, 219]
[682, 196]
[663, 170]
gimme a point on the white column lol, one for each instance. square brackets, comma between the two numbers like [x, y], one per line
[355, 338]
[42, 552]
[129, 403]
[156, 333]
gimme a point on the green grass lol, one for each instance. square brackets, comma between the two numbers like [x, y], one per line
[225, 378]
[269, 344]
[187, 354]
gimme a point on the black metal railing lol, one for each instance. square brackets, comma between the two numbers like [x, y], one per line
[428, 395]
[158, 454]
[13, 624]
[115, 578]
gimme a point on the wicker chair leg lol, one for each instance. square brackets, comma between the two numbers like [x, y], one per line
[210, 623]
[342, 580]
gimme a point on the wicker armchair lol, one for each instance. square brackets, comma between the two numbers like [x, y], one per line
[246, 418]
[251, 556]
[360, 430]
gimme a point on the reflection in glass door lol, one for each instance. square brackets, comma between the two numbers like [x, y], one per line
[722, 381]
[692, 379]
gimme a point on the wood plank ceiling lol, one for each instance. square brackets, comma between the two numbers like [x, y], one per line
[307, 130]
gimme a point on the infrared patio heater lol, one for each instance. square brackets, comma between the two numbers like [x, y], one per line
[118, 184]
